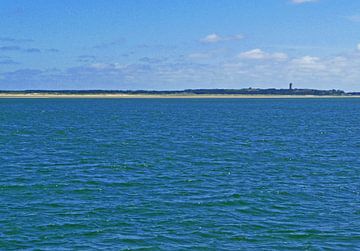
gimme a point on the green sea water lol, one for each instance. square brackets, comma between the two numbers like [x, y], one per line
[179, 174]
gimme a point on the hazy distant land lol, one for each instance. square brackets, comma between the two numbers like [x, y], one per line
[188, 93]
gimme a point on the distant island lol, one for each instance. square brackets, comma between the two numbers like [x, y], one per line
[248, 92]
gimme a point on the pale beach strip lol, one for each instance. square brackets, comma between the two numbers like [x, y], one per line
[167, 96]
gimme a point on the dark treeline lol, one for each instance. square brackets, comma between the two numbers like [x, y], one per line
[247, 91]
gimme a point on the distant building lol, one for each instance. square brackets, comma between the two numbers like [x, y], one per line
[290, 86]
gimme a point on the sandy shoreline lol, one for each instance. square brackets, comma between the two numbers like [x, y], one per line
[169, 96]
[144, 96]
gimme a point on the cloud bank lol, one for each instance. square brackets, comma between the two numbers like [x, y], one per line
[252, 68]
[215, 38]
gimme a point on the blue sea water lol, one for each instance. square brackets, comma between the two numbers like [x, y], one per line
[179, 174]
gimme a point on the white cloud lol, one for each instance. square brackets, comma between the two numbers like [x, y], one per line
[214, 38]
[308, 63]
[307, 60]
[253, 54]
[211, 38]
[303, 1]
[259, 54]
[257, 68]
[358, 46]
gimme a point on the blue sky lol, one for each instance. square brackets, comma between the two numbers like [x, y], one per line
[178, 44]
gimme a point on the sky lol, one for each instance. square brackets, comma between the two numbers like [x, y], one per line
[179, 44]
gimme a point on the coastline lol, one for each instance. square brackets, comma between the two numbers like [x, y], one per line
[166, 96]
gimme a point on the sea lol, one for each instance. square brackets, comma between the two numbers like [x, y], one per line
[180, 174]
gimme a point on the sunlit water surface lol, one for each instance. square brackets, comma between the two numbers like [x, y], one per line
[175, 174]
